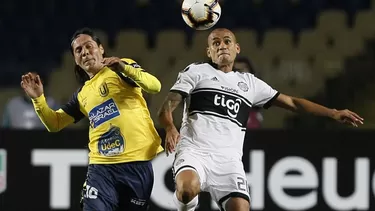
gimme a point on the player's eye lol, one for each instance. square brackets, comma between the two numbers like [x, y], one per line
[216, 43]
[228, 42]
[78, 50]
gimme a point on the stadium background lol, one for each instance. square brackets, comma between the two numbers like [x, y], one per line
[322, 50]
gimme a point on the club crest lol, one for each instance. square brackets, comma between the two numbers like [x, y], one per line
[103, 89]
[243, 86]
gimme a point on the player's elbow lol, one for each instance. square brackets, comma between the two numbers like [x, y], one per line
[155, 88]
[162, 116]
[52, 129]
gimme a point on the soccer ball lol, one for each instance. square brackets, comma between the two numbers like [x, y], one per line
[201, 14]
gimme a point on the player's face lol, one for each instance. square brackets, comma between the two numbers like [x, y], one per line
[222, 47]
[87, 54]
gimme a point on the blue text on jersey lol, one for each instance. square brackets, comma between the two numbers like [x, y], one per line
[103, 112]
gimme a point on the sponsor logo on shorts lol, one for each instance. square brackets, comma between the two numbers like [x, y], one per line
[139, 202]
[103, 112]
[179, 162]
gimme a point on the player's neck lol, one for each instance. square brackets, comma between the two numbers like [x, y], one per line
[226, 68]
[93, 72]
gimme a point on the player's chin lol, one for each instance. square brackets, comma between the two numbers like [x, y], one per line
[92, 67]
[224, 59]
[85, 67]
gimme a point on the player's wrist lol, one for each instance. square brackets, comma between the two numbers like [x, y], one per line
[38, 100]
[170, 127]
[332, 113]
[39, 96]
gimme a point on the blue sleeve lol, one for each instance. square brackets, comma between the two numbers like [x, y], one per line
[72, 108]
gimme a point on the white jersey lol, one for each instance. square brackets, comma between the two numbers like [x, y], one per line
[217, 107]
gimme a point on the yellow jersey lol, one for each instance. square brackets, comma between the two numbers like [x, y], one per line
[121, 128]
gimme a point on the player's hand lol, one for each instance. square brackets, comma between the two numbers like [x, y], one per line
[114, 63]
[348, 117]
[32, 85]
[171, 139]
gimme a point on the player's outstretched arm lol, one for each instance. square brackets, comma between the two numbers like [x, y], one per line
[166, 120]
[301, 105]
[131, 69]
[53, 120]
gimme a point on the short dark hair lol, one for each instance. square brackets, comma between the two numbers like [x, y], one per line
[248, 63]
[80, 74]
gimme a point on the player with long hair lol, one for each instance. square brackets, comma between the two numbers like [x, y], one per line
[122, 137]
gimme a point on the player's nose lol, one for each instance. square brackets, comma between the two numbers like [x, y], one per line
[85, 52]
[223, 46]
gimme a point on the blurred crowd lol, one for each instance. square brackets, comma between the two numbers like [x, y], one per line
[302, 47]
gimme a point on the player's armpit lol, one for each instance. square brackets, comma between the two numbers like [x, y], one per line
[53, 120]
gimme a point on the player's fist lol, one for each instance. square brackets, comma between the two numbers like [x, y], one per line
[32, 85]
[347, 117]
[114, 63]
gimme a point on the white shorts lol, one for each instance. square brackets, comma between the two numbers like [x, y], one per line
[223, 178]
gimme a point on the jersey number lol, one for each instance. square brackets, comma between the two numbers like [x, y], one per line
[242, 184]
[91, 192]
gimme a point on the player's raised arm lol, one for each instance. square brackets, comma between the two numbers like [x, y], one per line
[53, 120]
[267, 96]
[301, 105]
[135, 72]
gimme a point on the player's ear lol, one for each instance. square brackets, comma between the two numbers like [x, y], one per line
[101, 49]
[208, 52]
[238, 48]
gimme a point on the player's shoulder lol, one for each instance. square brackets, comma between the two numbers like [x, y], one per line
[245, 74]
[196, 67]
[130, 62]
[249, 78]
